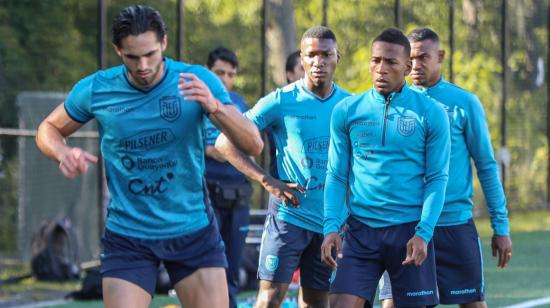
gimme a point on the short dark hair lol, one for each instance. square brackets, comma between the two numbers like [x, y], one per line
[422, 34]
[319, 32]
[135, 20]
[394, 36]
[224, 54]
[292, 60]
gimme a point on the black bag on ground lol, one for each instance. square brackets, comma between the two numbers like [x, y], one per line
[55, 252]
[91, 286]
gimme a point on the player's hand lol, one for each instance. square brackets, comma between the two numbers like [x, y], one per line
[417, 250]
[502, 244]
[75, 161]
[284, 191]
[194, 89]
[331, 241]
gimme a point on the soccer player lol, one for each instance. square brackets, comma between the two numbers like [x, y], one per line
[391, 146]
[456, 241]
[229, 190]
[150, 112]
[293, 67]
[299, 115]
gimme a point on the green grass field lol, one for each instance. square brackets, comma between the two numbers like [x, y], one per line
[526, 278]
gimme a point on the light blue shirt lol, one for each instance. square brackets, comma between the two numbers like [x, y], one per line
[394, 154]
[300, 123]
[470, 139]
[152, 145]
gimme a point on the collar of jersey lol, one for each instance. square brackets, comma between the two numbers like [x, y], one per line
[393, 95]
[305, 89]
[166, 62]
[435, 87]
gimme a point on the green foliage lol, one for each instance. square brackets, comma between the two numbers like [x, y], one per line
[50, 44]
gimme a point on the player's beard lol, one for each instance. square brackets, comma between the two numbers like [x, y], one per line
[152, 77]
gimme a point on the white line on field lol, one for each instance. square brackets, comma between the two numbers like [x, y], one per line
[531, 303]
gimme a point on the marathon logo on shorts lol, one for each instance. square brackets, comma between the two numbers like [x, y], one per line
[420, 293]
[271, 262]
[170, 108]
[462, 292]
[406, 126]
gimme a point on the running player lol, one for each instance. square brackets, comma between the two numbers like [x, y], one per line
[391, 146]
[456, 241]
[299, 115]
[150, 112]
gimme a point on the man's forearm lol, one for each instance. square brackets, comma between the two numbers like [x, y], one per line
[241, 131]
[240, 160]
[50, 141]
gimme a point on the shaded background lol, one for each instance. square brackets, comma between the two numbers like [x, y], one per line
[498, 52]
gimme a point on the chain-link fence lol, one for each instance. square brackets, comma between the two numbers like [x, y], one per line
[48, 45]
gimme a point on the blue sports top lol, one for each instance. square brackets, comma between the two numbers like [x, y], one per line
[215, 170]
[152, 144]
[300, 123]
[394, 154]
[469, 139]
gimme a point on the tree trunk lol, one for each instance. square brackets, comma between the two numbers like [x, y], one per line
[281, 38]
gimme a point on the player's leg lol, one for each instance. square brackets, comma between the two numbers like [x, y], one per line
[271, 294]
[129, 271]
[280, 251]
[412, 286]
[385, 295]
[314, 274]
[196, 265]
[358, 272]
[118, 293]
[206, 287]
[459, 265]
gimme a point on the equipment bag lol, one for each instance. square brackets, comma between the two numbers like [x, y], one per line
[55, 252]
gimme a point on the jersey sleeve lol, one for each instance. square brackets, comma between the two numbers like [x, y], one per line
[338, 168]
[479, 145]
[266, 111]
[438, 150]
[78, 102]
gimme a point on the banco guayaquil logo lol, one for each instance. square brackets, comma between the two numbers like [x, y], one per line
[170, 108]
[271, 262]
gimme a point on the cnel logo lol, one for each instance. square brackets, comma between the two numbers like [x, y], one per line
[150, 187]
[146, 140]
[316, 145]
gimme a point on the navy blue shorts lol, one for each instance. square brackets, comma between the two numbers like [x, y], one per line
[367, 252]
[459, 264]
[286, 247]
[137, 260]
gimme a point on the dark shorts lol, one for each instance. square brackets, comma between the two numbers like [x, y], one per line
[286, 247]
[137, 260]
[459, 264]
[367, 252]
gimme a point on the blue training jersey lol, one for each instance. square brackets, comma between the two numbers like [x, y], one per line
[394, 154]
[152, 144]
[299, 120]
[215, 170]
[470, 139]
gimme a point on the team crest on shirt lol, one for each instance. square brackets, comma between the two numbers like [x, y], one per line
[406, 126]
[271, 262]
[170, 108]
